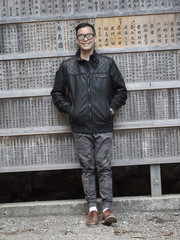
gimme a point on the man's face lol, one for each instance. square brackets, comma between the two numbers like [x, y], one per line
[86, 44]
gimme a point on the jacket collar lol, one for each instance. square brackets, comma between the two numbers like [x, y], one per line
[93, 57]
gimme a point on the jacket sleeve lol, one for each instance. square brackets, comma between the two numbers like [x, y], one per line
[58, 92]
[118, 87]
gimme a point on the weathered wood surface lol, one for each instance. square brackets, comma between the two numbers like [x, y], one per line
[41, 10]
[146, 124]
[130, 145]
[118, 32]
[156, 189]
[142, 107]
[143, 37]
[112, 51]
[130, 87]
[62, 166]
[142, 69]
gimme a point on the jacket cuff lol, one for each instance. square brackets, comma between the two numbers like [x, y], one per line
[113, 106]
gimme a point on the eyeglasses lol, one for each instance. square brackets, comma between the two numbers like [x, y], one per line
[89, 36]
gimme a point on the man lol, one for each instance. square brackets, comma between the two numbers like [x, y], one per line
[96, 90]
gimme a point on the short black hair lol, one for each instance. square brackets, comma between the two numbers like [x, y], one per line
[82, 25]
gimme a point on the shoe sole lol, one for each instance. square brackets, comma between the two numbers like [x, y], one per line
[92, 225]
[109, 220]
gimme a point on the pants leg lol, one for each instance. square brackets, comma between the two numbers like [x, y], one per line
[103, 154]
[95, 150]
[85, 151]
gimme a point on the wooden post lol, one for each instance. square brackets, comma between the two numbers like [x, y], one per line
[155, 173]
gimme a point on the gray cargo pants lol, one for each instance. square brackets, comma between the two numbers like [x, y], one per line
[94, 151]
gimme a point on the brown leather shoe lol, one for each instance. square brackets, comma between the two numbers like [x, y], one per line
[108, 218]
[92, 218]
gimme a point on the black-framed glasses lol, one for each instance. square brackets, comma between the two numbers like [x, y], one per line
[89, 36]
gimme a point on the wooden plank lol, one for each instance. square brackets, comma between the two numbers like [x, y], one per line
[77, 165]
[129, 33]
[177, 31]
[147, 124]
[59, 17]
[144, 161]
[130, 87]
[155, 173]
[66, 129]
[25, 93]
[40, 167]
[99, 32]
[153, 85]
[34, 131]
[16, 56]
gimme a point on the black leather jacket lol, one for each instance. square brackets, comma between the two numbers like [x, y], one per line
[87, 90]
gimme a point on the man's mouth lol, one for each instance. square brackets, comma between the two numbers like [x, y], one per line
[85, 44]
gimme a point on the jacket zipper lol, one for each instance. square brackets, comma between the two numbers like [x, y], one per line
[89, 100]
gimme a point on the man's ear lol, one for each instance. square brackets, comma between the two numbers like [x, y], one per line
[77, 41]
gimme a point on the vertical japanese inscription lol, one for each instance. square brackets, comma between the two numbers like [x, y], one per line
[151, 30]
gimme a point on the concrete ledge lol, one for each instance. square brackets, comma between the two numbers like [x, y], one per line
[71, 207]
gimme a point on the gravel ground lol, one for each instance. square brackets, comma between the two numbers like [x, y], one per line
[130, 225]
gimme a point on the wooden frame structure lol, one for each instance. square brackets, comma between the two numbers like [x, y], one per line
[142, 36]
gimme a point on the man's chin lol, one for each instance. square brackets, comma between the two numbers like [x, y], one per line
[88, 49]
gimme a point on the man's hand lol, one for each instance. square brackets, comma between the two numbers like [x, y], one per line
[112, 111]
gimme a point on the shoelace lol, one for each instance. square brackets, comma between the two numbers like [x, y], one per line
[108, 211]
[91, 214]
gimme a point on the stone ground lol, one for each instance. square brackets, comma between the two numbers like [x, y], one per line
[131, 225]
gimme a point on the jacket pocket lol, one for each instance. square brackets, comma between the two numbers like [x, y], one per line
[102, 112]
[69, 111]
